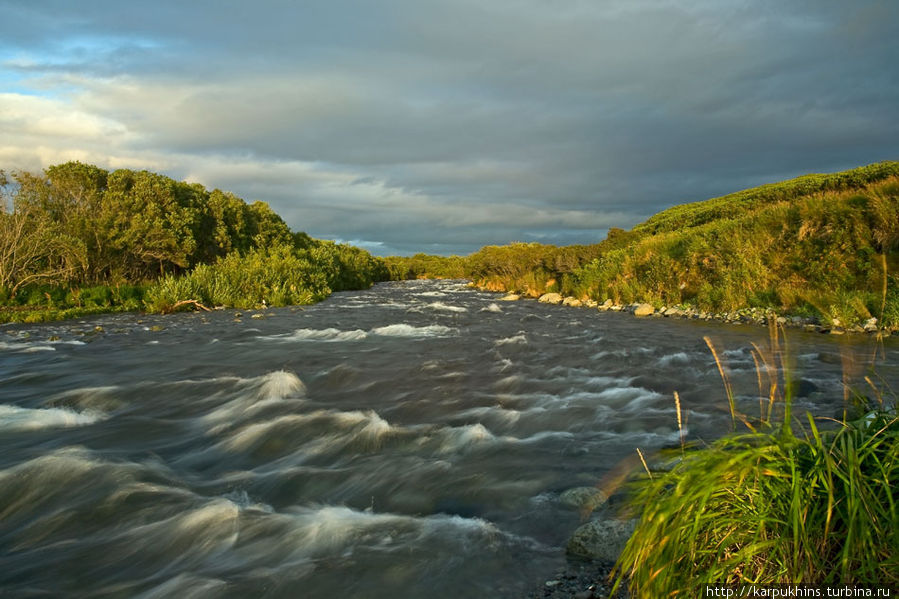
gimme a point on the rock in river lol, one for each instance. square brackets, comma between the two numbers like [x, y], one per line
[601, 539]
[644, 310]
[550, 298]
[583, 498]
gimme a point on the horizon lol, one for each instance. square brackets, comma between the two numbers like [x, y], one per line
[441, 128]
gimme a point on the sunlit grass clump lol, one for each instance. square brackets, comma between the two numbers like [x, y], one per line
[771, 506]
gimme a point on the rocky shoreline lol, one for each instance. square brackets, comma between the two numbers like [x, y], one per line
[591, 550]
[753, 316]
[579, 579]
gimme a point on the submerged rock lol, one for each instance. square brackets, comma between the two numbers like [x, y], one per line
[601, 539]
[550, 298]
[583, 498]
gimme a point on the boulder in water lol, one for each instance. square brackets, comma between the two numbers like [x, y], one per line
[550, 298]
[644, 310]
[601, 539]
[583, 498]
[511, 297]
[572, 301]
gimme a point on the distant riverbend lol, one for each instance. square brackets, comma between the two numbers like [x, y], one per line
[410, 440]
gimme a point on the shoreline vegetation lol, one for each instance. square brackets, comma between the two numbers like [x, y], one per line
[79, 240]
[818, 251]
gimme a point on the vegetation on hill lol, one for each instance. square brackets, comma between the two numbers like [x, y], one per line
[79, 239]
[819, 245]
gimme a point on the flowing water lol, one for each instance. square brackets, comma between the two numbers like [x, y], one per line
[411, 440]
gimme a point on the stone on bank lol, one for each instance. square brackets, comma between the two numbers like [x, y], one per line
[601, 539]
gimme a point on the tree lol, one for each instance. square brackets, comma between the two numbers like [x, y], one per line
[32, 248]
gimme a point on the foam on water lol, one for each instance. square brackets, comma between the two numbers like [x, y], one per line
[441, 307]
[519, 339]
[14, 418]
[279, 384]
[186, 586]
[326, 528]
[337, 335]
[25, 347]
[252, 395]
[456, 439]
[315, 433]
[494, 307]
[677, 358]
[322, 335]
[407, 330]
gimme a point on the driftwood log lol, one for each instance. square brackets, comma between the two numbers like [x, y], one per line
[190, 302]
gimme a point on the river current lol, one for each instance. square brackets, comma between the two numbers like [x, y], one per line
[411, 440]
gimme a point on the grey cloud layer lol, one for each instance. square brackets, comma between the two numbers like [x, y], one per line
[444, 126]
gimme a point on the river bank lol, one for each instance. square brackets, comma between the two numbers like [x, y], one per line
[752, 316]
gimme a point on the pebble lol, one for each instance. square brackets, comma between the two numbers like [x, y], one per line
[579, 579]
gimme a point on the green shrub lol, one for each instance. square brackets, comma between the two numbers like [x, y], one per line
[274, 277]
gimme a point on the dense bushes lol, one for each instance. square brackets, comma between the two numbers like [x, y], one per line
[79, 239]
[274, 277]
[87, 226]
[278, 276]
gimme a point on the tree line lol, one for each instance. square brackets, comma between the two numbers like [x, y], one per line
[77, 225]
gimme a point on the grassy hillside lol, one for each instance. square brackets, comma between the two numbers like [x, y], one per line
[817, 245]
[834, 254]
[736, 204]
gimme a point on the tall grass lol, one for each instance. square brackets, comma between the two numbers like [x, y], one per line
[782, 503]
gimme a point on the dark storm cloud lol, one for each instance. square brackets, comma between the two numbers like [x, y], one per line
[444, 126]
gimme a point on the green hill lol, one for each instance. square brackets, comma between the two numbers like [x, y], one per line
[824, 245]
[735, 204]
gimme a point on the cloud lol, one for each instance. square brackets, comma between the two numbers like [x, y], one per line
[411, 125]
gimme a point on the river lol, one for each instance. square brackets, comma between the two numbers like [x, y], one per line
[410, 440]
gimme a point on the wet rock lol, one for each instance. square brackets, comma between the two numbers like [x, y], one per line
[673, 312]
[601, 539]
[806, 388]
[606, 305]
[583, 498]
[550, 298]
[511, 297]
[644, 310]
[572, 301]
[589, 303]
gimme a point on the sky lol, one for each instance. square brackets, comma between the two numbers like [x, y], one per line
[442, 126]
